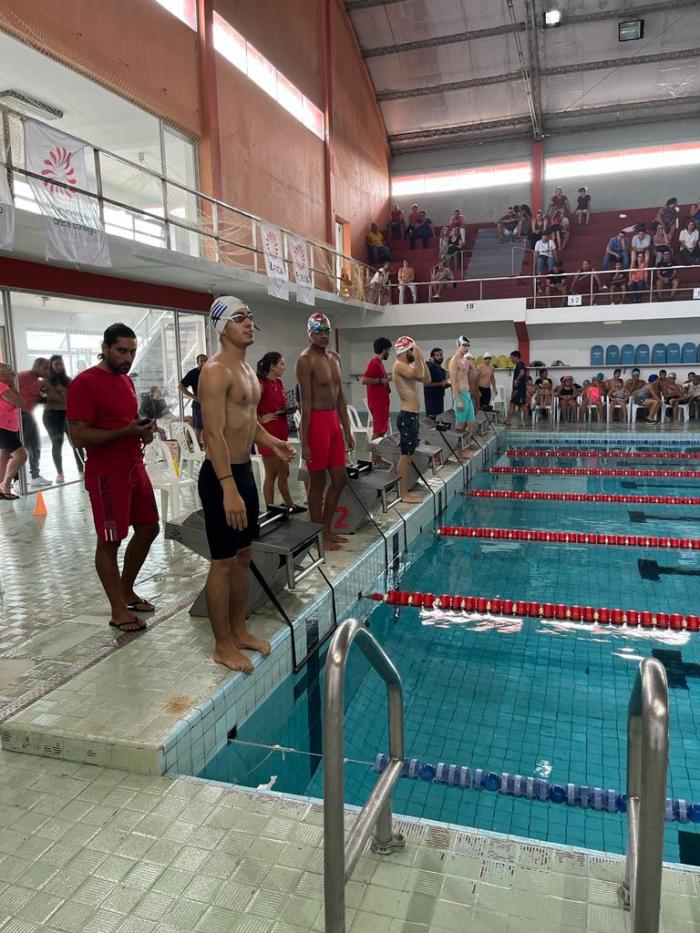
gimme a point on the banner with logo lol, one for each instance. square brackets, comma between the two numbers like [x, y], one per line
[303, 276]
[72, 227]
[7, 211]
[277, 277]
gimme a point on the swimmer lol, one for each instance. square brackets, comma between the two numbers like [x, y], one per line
[568, 394]
[325, 428]
[462, 373]
[544, 388]
[486, 382]
[618, 396]
[593, 397]
[409, 369]
[229, 392]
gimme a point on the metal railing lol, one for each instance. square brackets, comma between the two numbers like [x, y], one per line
[647, 767]
[177, 217]
[340, 858]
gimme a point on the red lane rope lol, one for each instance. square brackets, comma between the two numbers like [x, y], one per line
[601, 454]
[568, 537]
[584, 497]
[521, 607]
[576, 471]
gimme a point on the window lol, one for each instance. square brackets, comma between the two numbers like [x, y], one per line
[235, 49]
[622, 160]
[185, 10]
[468, 179]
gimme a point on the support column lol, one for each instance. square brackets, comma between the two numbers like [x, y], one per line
[210, 144]
[523, 336]
[328, 116]
[537, 161]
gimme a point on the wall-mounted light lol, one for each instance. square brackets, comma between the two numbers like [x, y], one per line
[551, 18]
[631, 29]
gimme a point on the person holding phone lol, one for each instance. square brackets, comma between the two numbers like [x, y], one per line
[102, 411]
[273, 412]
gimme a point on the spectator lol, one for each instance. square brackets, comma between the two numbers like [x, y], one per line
[454, 250]
[273, 412]
[618, 396]
[525, 220]
[545, 254]
[54, 416]
[567, 393]
[641, 244]
[661, 240]
[666, 276]
[441, 275]
[189, 387]
[458, 222]
[668, 215]
[618, 283]
[556, 282]
[673, 392]
[397, 224]
[509, 224]
[543, 390]
[153, 405]
[647, 396]
[693, 390]
[688, 242]
[634, 382]
[423, 230]
[378, 250]
[593, 397]
[583, 205]
[559, 202]
[379, 284]
[586, 282]
[537, 228]
[32, 385]
[638, 279]
[607, 383]
[555, 227]
[12, 455]
[615, 251]
[444, 242]
[406, 277]
[695, 213]
[434, 391]
[412, 220]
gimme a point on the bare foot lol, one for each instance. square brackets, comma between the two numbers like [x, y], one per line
[339, 539]
[330, 544]
[248, 640]
[233, 659]
[411, 498]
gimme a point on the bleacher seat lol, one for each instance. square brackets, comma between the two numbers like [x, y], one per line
[641, 357]
[673, 354]
[597, 355]
[658, 354]
[627, 355]
[612, 355]
[689, 353]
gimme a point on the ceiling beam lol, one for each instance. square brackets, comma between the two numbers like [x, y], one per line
[487, 80]
[533, 80]
[474, 34]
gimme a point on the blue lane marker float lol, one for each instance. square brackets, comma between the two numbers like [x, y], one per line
[531, 788]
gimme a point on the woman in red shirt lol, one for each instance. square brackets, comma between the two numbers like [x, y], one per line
[12, 454]
[272, 413]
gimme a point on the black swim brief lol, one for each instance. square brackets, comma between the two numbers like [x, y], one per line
[224, 541]
[408, 424]
[484, 397]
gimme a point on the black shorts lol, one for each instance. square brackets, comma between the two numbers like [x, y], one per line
[484, 397]
[224, 541]
[519, 394]
[9, 440]
[408, 424]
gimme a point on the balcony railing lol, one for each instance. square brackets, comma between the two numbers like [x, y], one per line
[142, 205]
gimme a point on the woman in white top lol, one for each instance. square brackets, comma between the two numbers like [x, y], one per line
[688, 242]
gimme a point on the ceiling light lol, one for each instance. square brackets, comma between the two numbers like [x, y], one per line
[24, 103]
[631, 29]
[611, 323]
[551, 18]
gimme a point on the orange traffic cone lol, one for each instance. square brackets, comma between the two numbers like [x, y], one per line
[40, 507]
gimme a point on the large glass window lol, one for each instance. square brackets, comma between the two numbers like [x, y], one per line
[186, 10]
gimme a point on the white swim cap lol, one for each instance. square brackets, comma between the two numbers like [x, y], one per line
[223, 309]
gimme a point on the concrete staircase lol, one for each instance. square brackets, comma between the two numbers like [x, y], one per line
[493, 259]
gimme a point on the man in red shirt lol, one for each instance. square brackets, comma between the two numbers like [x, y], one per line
[31, 384]
[102, 411]
[377, 380]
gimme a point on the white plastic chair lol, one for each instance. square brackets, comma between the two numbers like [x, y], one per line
[666, 406]
[612, 405]
[356, 426]
[161, 471]
[190, 451]
[552, 408]
[370, 419]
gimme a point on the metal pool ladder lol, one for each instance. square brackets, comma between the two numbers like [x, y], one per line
[340, 858]
[647, 766]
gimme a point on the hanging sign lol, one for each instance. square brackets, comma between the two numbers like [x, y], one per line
[277, 277]
[303, 276]
[7, 211]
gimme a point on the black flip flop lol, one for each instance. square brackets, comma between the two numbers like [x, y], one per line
[10, 496]
[133, 607]
[128, 631]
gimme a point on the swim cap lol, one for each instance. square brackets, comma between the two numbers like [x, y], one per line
[486, 355]
[223, 309]
[469, 356]
[317, 322]
[403, 344]
[463, 341]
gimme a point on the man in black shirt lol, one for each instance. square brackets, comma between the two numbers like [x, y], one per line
[189, 387]
[434, 391]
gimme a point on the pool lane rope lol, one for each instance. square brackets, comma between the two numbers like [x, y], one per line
[601, 454]
[581, 497]
[594, 471]
[515, 785]
[600, 615]
[568, 537]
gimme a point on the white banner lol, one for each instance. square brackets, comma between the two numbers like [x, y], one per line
[277, 277]
[303, 276]
[7, 211]
[72, 226]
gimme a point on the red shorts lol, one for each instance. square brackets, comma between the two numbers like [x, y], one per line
[119, 500]
[325, 441]
[380, 420]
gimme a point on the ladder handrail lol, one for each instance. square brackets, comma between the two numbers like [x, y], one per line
[647, 768]
[340, 858]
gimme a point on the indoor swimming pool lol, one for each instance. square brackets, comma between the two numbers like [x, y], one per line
[538, 697]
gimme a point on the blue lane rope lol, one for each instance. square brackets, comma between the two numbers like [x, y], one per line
[515, 785]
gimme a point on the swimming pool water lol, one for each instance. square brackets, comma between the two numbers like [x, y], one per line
[528, 696]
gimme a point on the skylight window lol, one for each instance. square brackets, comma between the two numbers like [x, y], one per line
[185, 10]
